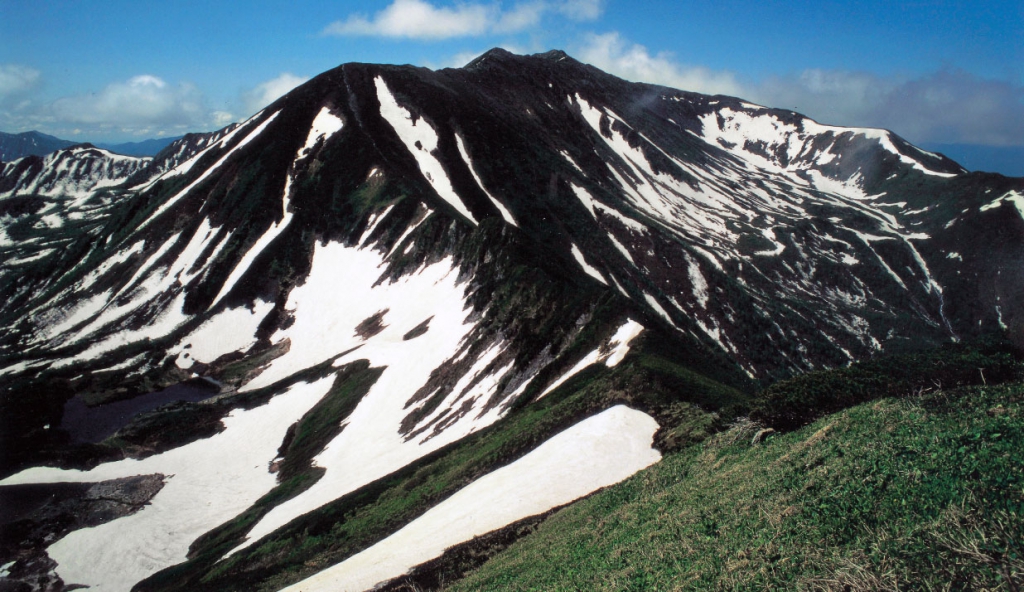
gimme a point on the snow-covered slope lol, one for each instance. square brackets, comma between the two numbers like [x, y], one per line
[47, 204]
[596, 452]
[74, 172]
[398, 261]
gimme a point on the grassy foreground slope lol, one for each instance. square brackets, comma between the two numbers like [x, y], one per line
[925, 492]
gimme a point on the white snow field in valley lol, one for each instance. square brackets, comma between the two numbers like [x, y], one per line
[230, 471]
[208, 482]
[596, 452]
[328, 307]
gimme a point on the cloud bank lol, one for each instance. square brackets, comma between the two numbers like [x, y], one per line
[142, 106]
[611, 53]
[143, 100]
[948, 106]
[16, 79]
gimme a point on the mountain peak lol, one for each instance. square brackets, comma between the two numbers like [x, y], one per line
[499, 55]
[555, 55]
[495, 54]
[31, 143]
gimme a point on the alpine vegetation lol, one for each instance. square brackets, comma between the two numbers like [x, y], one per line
[381, 331]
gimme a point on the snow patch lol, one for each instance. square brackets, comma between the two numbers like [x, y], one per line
[778, 248]
[83, 310]
[597, 452]
[593, 206]
[619, 347]
[230, 331]
[325, 125]
[591, 271]
[372, 224]
[1013, 197]
[653, 303]
[569, 159]
[119, 257]
[507, 215]
[622, 248]
[208, 481]
[700, 285]
[421, 141]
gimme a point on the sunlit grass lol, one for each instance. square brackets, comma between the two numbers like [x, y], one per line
[922, 493]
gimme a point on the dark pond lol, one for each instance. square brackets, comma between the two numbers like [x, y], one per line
[95, 424]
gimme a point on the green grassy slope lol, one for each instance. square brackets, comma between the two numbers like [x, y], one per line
[924, 492]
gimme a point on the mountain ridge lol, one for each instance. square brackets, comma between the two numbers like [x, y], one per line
[31, 143]
[34, 143]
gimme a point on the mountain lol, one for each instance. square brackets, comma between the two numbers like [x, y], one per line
[507, 285]
[76, 171]
[14, 146]
[149, 147]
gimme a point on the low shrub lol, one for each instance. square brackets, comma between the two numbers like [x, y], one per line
[796, 402]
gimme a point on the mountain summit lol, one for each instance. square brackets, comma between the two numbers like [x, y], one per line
[394, 279]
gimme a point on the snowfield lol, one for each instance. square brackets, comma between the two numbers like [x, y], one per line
[421, 140]
[209, 482]
[233, 330]
[327, 309]
[596, 452]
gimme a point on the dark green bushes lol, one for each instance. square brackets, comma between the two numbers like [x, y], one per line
[796, 402]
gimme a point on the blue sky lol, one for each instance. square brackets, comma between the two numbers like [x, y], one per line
[932, 71]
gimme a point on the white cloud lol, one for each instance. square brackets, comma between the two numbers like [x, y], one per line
[142, 106]
[15, 79]
[831, 96]
[420, 19]
[522, 16]
[221, 118]
[267, 92]
[581, 10]
[417, 19]
[613, 54]
[139, 102]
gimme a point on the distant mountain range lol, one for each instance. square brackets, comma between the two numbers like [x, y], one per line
[15, 146]
[150, 147]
